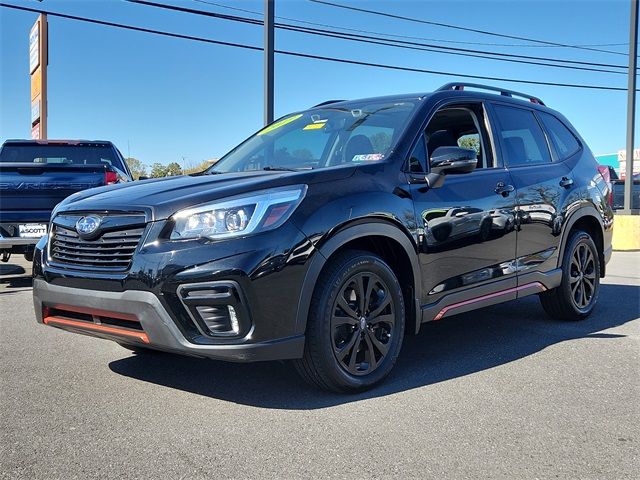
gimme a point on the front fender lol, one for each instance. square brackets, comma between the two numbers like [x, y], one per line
[341, 238]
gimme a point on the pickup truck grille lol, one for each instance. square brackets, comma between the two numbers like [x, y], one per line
[112, 251]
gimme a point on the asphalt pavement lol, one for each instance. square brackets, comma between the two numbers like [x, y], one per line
[503, 392]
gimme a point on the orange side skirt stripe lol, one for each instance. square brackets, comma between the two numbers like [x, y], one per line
[453, 306]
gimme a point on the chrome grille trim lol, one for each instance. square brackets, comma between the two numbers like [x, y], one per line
[112, 251]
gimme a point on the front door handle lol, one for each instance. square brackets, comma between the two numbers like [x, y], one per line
[566, 182]
[504, 190]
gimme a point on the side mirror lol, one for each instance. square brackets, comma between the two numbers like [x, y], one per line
[452, 160]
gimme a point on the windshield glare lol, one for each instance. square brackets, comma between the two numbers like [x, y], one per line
[321, 138]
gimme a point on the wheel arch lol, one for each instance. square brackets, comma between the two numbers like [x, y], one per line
[588, 219]
[381, 238]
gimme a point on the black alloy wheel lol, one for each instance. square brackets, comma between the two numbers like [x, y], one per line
[582, 275]
[577, 295]
[356, 324]
[362, 323]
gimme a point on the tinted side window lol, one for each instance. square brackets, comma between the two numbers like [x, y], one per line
[460, 126]
[562, 138]
[523, 142]
[418, 158]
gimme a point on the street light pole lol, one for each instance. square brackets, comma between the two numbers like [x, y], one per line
[269, 36]
[631, 105]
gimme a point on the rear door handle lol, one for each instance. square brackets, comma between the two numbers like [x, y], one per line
[566, 182]
[504, 190]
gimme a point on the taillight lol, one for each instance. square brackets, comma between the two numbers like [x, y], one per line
[110, 177]
[606, 176]
[604, 171]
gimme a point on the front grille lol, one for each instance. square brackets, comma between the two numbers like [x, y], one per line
[112, 251]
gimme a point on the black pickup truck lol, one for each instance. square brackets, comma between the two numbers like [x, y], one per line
[616, 185]
[618, 193]
[35, 175]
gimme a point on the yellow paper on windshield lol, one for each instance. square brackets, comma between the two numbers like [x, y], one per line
[278, 124]
[316, 125]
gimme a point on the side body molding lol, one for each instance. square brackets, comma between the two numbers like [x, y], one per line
[339, 239]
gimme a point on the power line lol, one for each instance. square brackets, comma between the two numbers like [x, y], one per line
[306, 55]
[396, 43]
[459, 42]
[466, 29]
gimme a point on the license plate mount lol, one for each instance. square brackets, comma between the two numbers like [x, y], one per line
[32, 230]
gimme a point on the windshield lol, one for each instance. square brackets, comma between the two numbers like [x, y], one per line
[322, 137]
[96, 154]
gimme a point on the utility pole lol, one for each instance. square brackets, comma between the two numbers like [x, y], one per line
[631, 105]
[269, 37]
[38, 61]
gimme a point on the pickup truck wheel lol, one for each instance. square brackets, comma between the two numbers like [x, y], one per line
[355, 326]
[577, 295]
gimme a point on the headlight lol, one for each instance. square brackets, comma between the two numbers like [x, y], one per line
[238, 216]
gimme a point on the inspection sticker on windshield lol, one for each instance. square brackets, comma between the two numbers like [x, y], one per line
[278, 124]
[369, 157]
[315, 125]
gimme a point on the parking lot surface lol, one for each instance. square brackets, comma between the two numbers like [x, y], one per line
[503, 392]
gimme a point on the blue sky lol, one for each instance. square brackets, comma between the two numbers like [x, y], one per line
[165, 99]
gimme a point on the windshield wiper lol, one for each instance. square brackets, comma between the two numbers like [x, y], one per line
[272, 168]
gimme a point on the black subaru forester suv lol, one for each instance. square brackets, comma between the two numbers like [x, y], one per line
[329, 235]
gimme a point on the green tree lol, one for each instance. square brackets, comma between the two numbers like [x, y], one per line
[201, 167]
[138, 169]
[472, 142]
[173, 169]
[158, 170]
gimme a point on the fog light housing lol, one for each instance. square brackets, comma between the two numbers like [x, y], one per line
[217, 309]
[219, 319]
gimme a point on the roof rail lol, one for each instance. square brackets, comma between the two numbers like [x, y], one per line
[503, 91]
[327, 103]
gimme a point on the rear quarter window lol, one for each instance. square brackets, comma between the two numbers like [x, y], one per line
[563, 140]
[522, 138]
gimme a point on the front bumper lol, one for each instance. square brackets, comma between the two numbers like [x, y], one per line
[154, 327]
[10, 242]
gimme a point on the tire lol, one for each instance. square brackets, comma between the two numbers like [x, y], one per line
[137, 348]
[580, 276]
[485, 229]
[346, 349]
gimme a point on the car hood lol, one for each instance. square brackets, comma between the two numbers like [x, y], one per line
[161, 198]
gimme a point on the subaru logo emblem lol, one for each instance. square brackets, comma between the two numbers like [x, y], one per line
[88, 225]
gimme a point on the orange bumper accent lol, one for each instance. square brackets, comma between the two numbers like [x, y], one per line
[95, 312]
[65, 322]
